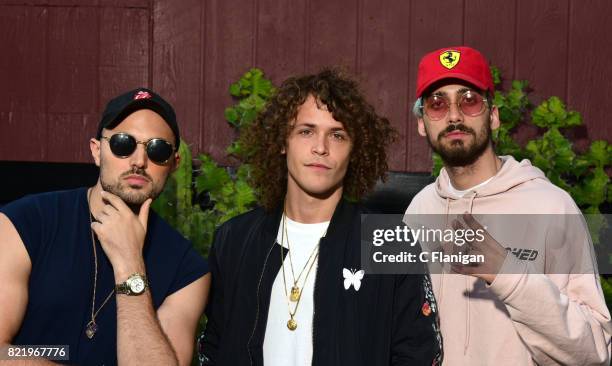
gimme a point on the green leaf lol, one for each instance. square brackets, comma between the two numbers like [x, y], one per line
[183, 177]
[231, 115]
[599, 153]
[235, 89]
[212, 177]
[244, 195]
[573, 119]
[437, 164]
[249, 116]
[244, 171]
[496, 75]
[558, 149]
[591, 190]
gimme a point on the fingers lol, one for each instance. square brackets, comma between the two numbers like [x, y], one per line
[471, 221]
[114, 201]
[466, 247]
[96, 226]
[109, 210]
[143, 214]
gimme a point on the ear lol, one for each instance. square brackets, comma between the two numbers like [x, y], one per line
[177, 162]
[421, 127]
[494, 118]
[94, 146]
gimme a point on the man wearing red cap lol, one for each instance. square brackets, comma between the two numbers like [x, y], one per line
[526, 303]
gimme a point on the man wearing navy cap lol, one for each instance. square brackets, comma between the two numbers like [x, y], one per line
[536, 298]
[92, 271]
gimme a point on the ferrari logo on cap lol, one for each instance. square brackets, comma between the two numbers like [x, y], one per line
[450, 58]
[142, 95]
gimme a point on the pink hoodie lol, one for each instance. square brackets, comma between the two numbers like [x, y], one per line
[524, 317]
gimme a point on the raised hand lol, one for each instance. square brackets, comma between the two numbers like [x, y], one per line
[122, 233]
[494, 253]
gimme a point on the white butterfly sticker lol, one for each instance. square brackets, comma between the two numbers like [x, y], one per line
[352, 278]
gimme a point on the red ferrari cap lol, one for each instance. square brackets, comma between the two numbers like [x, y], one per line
[464, 63]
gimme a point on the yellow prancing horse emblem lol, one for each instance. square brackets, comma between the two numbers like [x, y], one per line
[450, 58]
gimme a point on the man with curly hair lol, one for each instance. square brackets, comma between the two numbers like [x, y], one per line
[287, 288]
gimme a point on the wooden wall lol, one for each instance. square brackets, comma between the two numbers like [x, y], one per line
[63, 59]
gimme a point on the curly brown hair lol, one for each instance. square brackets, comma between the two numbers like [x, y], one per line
[265, 138]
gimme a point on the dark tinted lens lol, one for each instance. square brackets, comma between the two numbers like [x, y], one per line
[159, 150]
[122, 144]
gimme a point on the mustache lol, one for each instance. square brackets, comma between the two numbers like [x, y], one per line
[138, 171]
[456, 127]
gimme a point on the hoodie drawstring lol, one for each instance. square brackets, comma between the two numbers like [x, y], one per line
[471, 205]
[441, 287]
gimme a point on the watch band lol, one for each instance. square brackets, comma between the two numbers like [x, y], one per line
[122, 288]
[125, 288]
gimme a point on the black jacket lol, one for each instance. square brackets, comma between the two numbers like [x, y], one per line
[381, 324]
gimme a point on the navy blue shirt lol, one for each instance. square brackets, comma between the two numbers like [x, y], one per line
[55, 230]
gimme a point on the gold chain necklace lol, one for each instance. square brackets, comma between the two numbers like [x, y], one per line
[292, 323]
[92, 327]
[295, 289]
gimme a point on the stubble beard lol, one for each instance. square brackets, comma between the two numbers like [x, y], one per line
[132, 196]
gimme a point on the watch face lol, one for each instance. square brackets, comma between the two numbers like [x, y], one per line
[137, 285]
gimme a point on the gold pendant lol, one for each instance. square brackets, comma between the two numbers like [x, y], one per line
[91, 329]
[292, 324]
[295, 294]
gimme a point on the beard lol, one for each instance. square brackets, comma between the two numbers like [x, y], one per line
[457, 153]
[131, 195]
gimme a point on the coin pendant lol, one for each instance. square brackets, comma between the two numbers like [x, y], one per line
[292, 324]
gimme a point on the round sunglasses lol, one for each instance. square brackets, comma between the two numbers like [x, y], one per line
[123, 145]
[470, 104]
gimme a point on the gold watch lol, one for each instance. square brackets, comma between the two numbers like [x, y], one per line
[135, 285]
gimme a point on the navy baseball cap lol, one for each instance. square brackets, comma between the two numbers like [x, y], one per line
[141, 98]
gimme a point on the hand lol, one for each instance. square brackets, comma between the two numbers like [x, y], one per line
[493, 252]
[121, 234]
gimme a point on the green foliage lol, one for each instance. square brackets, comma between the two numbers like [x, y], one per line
[196, 201]
[512, 107]
[252, 90]
[175, 204]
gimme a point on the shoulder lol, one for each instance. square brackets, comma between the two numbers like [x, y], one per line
[549, 197]
[245, 219]
[236, 236]
[425, 196]
[44, 200]
[43, 208]
[242, 222]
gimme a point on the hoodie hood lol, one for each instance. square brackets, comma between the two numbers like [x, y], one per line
[511, 174]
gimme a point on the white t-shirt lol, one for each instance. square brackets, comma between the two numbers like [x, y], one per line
[284, 347]
[463, 192]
